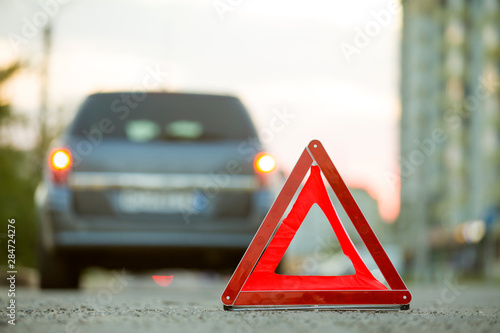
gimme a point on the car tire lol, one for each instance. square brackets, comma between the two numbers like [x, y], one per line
[56, 272]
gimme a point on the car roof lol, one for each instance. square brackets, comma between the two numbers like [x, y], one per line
[164, 93]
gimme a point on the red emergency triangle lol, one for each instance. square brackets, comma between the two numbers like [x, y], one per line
[263, 276]
[255, 283]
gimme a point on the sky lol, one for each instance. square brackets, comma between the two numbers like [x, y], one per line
[332, 67]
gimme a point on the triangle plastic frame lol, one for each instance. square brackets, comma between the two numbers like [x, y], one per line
[237, 297]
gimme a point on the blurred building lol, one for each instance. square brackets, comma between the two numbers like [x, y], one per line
[450, 137]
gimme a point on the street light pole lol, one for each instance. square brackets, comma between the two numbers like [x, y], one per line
[44, 90]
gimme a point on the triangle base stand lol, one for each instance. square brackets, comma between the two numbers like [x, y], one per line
[359, 307]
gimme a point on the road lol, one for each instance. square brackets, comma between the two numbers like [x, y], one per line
[119, 302]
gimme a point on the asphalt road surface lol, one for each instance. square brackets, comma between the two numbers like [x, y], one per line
[119, 302]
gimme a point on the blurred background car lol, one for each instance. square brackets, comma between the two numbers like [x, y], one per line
[143, 180]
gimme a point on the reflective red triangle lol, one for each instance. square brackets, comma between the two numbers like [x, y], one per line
[254, 282]
[263, 276]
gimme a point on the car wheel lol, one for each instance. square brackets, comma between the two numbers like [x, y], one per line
[56, 272]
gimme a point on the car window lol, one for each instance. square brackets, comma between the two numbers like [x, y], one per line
[186, 129]
[164, 117]
[141, 130]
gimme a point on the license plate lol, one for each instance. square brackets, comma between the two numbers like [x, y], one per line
[133, 201]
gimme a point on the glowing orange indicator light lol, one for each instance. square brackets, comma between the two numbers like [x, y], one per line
[163, 280]
[60, 159]
[264, 163]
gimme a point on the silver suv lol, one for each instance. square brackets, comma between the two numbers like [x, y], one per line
[145, 180]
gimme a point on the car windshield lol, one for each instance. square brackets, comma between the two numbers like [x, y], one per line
[164, 117]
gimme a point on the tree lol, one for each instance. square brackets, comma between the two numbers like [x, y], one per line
[18, 180]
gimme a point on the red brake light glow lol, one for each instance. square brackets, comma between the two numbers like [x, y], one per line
[163, 280]
[60, 162]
